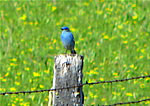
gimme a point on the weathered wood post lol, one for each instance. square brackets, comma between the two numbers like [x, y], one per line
[67, 72]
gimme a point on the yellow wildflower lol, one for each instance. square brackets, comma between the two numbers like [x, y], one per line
[101, 0]
[21, 104]
[99, 12]
[135, 82]
[103, 99]
[35, 74]
[141, 57]
[32, 89]
[41, 86]
[93, 72]
[115, 74]
[101, 64]
[142, 85]
[90, 33]
[4, 80]
[54, 41]
[134, 17]
[120, 26]
[125, 42]
[73, 29]
[19, 73]
[6, 74]
[95, 68]
[1, 89]
[24, 62]
[91, 94]
[147, 79]
[122, 88]
[31, 23]
[124, 65]
[106, 37]
[14, 59]
[95, 96]
[134, 22]
[54, 8]
[8, 68]
[147, 102]
[13, 105]
[128, 71]
[50, 47]
[101, 79]
[46, 99]
[17, 99]
[114, 93]
[19, 8]
[30, 49]
[24, 23]
[23, 17]
[58, 23]
[32, 97]
[17, 83]
[124, 36]
[46, 71]
[13, 64]
[86, 3]
[12, 89]
[89, 27]
[132, 66]
[133, 5]
[81, 39]
[129, 94]
[27, 68]
[143, 50]
[20, 99]
[22, 52]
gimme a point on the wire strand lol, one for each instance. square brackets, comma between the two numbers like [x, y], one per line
[131, 102]
[77, 86]
[81, 85]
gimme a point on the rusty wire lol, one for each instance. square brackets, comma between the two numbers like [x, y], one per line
[81, 85]
[92, 83]
[131, 102]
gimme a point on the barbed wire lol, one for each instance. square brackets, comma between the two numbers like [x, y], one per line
[121, 80]
[131, 102]
[76, 86]
[92, 83]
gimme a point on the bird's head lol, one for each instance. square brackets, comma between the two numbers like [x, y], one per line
[65, 29]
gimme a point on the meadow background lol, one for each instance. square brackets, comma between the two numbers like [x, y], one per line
[113, 36]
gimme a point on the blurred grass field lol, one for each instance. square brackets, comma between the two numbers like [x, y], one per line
[113, 36]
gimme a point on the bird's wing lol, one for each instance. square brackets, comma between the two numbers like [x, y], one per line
[73, 38]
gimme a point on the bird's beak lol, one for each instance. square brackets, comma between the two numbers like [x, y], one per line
[61, 28]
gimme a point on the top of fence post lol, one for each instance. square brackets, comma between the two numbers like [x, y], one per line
[68, 72]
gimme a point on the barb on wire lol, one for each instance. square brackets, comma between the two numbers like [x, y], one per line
[121, 80]
[76, 86]
[131, 102]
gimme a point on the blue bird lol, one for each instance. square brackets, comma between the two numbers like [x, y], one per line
[68, 39]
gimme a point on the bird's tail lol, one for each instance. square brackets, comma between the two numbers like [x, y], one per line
[73, 52]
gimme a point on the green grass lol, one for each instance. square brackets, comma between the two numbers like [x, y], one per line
[113, 36]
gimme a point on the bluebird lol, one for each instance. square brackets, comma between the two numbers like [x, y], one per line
[68, 39]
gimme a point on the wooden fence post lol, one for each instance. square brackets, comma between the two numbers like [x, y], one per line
[67, 72]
